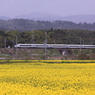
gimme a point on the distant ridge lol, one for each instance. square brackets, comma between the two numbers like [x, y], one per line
[51, 17]
[80, 18]
[4, 18]
[39, 16]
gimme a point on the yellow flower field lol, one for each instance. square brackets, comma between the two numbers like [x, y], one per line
[40, 78]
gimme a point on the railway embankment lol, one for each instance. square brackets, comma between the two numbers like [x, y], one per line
[49, 54]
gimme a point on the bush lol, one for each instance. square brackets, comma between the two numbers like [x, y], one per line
[75, 51]
[83, 57]
[93, 50]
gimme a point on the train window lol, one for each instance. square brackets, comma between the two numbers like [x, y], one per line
[25, 45]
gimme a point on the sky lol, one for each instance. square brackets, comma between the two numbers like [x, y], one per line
[12, 8]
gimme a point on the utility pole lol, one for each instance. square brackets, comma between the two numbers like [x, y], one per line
[80, 45]
[45, 44]
[83, 42]
[91, 41]
[16, 44]
[32, 37]
[13, 41]
[5, 43]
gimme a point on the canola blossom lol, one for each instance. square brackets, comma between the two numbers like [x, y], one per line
[47, 78]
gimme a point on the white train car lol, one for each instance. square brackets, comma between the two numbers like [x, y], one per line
[32, 46]
[57, 46]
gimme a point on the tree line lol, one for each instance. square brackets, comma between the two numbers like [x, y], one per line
[54, 36]
[29, 25]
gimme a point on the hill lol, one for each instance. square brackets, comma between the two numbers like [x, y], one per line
[39, 16]
[4, 18]
[28, 25]
[51, 17]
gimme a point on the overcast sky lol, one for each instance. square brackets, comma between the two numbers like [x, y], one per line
[13, 8]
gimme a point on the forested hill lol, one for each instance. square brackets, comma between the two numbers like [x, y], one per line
[28, 25]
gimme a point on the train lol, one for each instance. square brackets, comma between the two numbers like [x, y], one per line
[59, 46]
